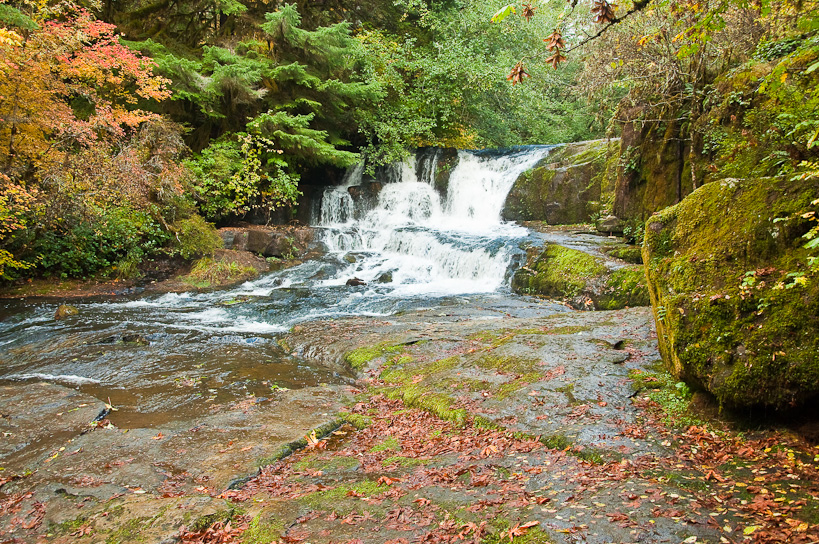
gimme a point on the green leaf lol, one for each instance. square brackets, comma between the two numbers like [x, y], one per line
[812, 67]
[14, 17]
[503, 13]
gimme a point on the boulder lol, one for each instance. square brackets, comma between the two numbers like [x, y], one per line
[65, 310]
[566, 188]
[610, 225]
[735, 298]
[355, 282]
[280, 242]
[580, 279]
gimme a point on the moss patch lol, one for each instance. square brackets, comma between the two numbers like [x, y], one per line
[261, 531]
[558, 272]
[623, 287]
[630, 254]
[358, 358]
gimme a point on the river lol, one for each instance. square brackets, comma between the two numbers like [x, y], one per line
[414, 246]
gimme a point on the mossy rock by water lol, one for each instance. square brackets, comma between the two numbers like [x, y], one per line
[580, 279]
[736, 304]
[630, 254]
[566, 188]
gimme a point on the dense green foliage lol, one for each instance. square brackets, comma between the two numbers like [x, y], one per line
[123, 122]
[125, 125]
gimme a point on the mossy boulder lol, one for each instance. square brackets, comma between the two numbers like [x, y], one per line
[735, 300]
[580, 279]
[630, 254]
[566, 188]
[65, 310]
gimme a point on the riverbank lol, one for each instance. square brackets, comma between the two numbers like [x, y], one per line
[508, 418]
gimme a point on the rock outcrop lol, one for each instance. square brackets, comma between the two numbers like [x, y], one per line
[280, 242]
[580, 279]
[566, 188]
[735, 298]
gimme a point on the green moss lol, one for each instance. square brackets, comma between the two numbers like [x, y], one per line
[288, 449]
[437, 404]
[511, 387]
[390, 443]
[263, 531]
[509, 364]
[403, 461]
[357, 420]
[535, 535]
[130, 531]
[730, 319]
[69, 526]
[404, 373]
[624, 287]
[558, 272]
[569, 329]
[327, 498]
[630, 254]
[672, 396]
[358, 358]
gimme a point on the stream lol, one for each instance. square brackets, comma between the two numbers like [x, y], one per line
[162, 357]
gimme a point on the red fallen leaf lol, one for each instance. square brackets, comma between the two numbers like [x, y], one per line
[489, 450]
[82, 531]
[520, 530]
[160, 436]
[713, 475]
[541, 500]
[602, 403]
[386, 480]
[422, 501]
[37, 514]
[617, 516]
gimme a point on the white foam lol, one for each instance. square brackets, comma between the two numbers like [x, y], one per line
[429, 246]
[63, 378]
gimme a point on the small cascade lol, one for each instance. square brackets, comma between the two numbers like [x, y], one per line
[337, 204]
[422, 243]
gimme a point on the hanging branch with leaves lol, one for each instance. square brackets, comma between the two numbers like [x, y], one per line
[603, 13]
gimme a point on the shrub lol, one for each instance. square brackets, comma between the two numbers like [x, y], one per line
[195, 237]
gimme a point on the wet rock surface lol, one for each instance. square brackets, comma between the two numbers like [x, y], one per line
[61, 458]
[566, 188]
[508, 418]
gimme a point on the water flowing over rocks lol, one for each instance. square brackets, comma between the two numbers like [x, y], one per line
[426, 403]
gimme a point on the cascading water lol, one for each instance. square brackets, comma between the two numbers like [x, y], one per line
[422, 243]
[413, 246]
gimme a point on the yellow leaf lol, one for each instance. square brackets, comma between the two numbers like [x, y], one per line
[749, 530]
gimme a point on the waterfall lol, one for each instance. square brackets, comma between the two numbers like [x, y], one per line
[414, 241]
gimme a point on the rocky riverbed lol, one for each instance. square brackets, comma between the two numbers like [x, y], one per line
[507, 418]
